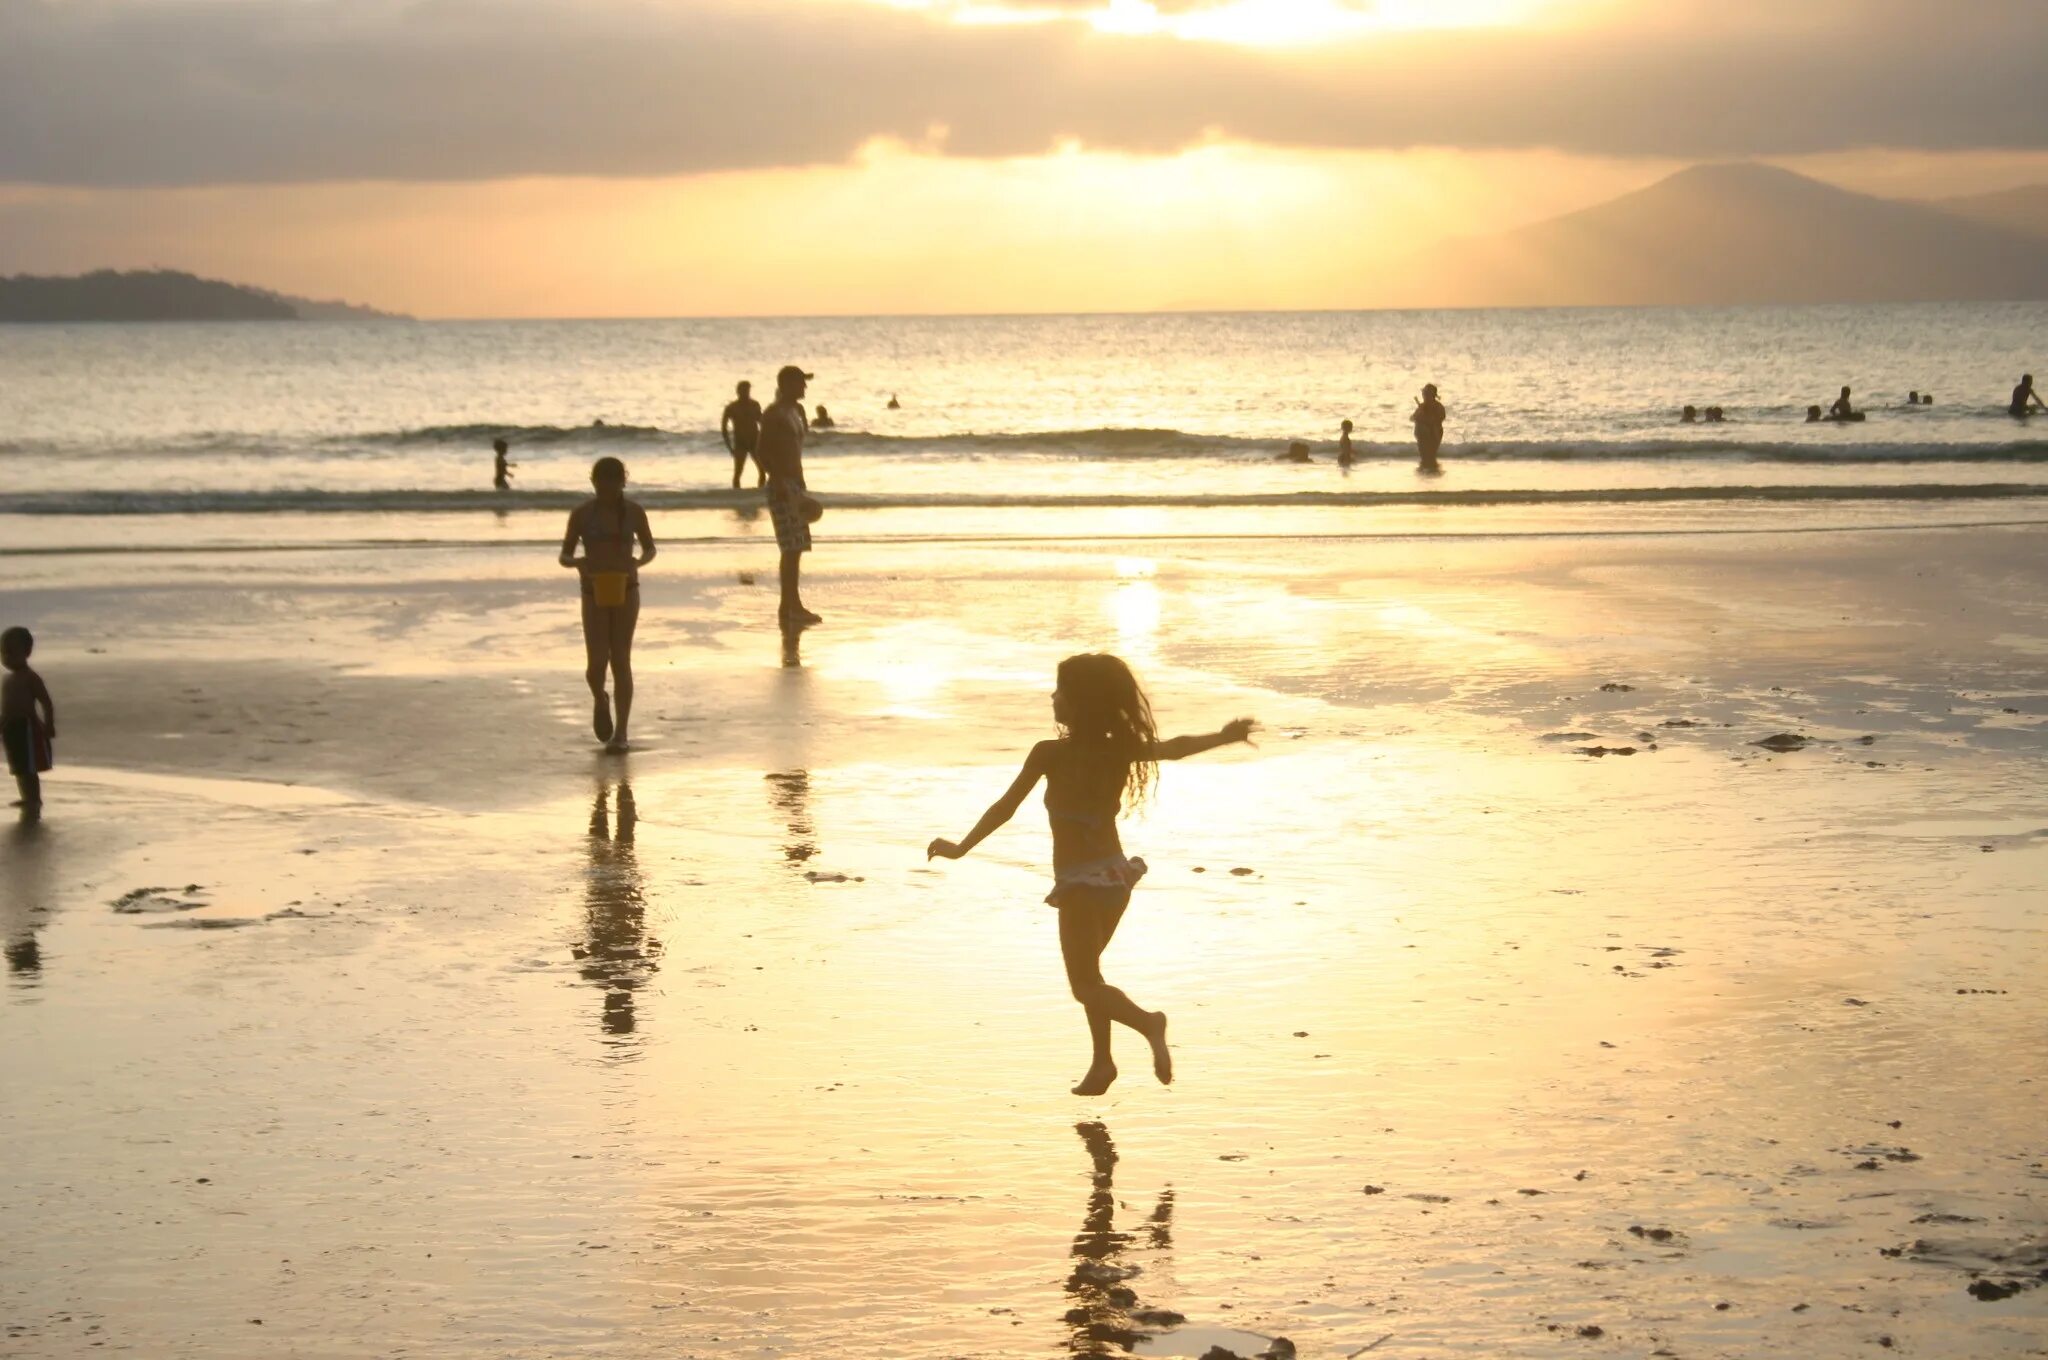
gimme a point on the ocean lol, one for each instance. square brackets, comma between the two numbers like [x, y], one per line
[1559, 419]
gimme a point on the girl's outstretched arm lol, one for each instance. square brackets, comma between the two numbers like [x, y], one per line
[1175, 748]
[999, 811]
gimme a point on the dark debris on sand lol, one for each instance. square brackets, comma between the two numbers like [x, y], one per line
[138, 901]
[1998, 1270]
[1662, 1235]
[1279, 1348]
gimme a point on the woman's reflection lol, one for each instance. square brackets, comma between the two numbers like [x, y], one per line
[1107, 1318]
[617, 952]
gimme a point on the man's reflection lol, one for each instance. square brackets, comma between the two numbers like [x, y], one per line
[617, 952]
[25, 893]
[792, 647]
[1107, 1318]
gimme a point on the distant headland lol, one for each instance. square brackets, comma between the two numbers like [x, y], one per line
[161, 295]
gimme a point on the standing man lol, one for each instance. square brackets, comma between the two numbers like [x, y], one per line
[1429, 428]
[501, 472]
[741, 430]
[781, 459]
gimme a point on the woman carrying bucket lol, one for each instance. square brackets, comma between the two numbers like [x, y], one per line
[608, 525]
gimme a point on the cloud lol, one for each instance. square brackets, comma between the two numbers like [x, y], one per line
[188, 92]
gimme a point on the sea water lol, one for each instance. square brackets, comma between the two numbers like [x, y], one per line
[281, 431]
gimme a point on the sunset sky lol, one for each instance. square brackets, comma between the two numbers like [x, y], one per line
[716, 157]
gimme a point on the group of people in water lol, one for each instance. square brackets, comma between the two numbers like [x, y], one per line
[1427, 418]
[740, 428]
[2025, 401]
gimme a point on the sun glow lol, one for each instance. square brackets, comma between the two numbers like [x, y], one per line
[1286, 23]
[1249, 23]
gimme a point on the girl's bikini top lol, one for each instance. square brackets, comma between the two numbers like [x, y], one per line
[1066, 803]
[619, 536]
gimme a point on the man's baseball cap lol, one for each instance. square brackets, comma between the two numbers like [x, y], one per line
[789, 371]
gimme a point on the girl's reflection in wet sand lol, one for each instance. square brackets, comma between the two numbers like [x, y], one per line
[616, 952]
[1106, 1317]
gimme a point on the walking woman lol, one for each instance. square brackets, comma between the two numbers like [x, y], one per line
[608, 526]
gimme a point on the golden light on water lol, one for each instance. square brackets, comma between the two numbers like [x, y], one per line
[1133, 607]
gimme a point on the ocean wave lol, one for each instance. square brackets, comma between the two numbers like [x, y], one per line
[116, 503]
[481, 435]
[1117, 442]
[1081, 445]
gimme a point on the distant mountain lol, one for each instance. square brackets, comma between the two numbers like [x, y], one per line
[1725, 234]
[2022, 210]
[157, 295]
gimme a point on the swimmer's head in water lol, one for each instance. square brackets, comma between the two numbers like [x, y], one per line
[15, 645]
[1845, 391]
[1429, 389]
[1097, 700]
[608, 474]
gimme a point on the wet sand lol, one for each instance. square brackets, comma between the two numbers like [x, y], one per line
[440, 1033]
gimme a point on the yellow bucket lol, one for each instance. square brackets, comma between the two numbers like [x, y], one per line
[608, 588]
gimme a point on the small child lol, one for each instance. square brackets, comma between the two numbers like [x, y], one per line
[1106, 755]
[1345, 458]
[28, 720]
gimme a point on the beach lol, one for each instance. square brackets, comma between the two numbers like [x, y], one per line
[1523, 1003]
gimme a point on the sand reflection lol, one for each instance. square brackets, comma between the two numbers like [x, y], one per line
[790, 792]
[26, 892]
[617, 953]
[1106, 1317]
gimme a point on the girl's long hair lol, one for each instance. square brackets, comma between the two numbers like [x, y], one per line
[1106, 708]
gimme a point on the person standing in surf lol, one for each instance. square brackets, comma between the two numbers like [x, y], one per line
[1428, 417]
[740, 428]
[501, 465]
[790, 506]
[1105, 758]
[608, 526]
[2025, 400]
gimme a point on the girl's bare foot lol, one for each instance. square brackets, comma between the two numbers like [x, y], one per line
[1154, 1031]
[601, 716]
[1097, 1081]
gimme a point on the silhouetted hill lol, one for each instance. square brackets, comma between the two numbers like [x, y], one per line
[2023, 210]
[1723, 234]
[156, 295]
